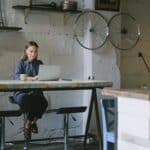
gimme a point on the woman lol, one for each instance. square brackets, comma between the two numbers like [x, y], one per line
[33, 103]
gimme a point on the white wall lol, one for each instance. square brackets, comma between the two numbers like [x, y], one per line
[54, 34]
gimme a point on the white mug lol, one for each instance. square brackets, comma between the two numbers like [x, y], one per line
[23, 77]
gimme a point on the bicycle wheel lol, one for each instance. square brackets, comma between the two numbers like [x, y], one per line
[91, 24]
[124, 32]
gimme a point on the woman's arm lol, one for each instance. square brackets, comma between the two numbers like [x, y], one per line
[18, 71]
[33, 78]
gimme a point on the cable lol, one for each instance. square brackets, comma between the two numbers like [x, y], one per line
[10, 121]
[73, 118]
[146, 65]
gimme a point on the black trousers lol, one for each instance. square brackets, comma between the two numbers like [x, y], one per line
[34, 105]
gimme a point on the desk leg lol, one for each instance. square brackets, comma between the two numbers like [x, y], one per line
[93, 101]
[99, 130]
[2, 132]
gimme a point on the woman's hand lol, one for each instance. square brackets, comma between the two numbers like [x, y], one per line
[35, 78]
[32, 78]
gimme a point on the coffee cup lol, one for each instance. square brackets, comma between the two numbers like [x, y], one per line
[23, 77]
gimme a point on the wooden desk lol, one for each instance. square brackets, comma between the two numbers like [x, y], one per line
[15, 85]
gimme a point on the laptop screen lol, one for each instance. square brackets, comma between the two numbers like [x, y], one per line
[49, 72]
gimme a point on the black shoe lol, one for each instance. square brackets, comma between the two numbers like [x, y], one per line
[34, 128]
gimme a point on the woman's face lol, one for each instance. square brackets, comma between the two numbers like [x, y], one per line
[31, 52]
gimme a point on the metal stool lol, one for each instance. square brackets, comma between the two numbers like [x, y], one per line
[66, 111]
[12, 100]
[3, 114]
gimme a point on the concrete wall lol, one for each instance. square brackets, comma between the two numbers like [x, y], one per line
[133, 71]
[54, 34]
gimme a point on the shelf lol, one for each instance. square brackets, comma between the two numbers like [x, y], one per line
[10, 28]
[44, 8]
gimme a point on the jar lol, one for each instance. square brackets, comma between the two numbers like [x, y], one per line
[69, 5]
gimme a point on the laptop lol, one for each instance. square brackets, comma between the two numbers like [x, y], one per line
[49, 72]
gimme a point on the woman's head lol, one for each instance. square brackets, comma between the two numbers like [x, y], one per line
[31, 51]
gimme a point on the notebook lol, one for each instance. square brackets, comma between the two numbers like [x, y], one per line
[49, 72]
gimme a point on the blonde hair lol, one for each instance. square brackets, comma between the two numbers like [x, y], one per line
[30, 43]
